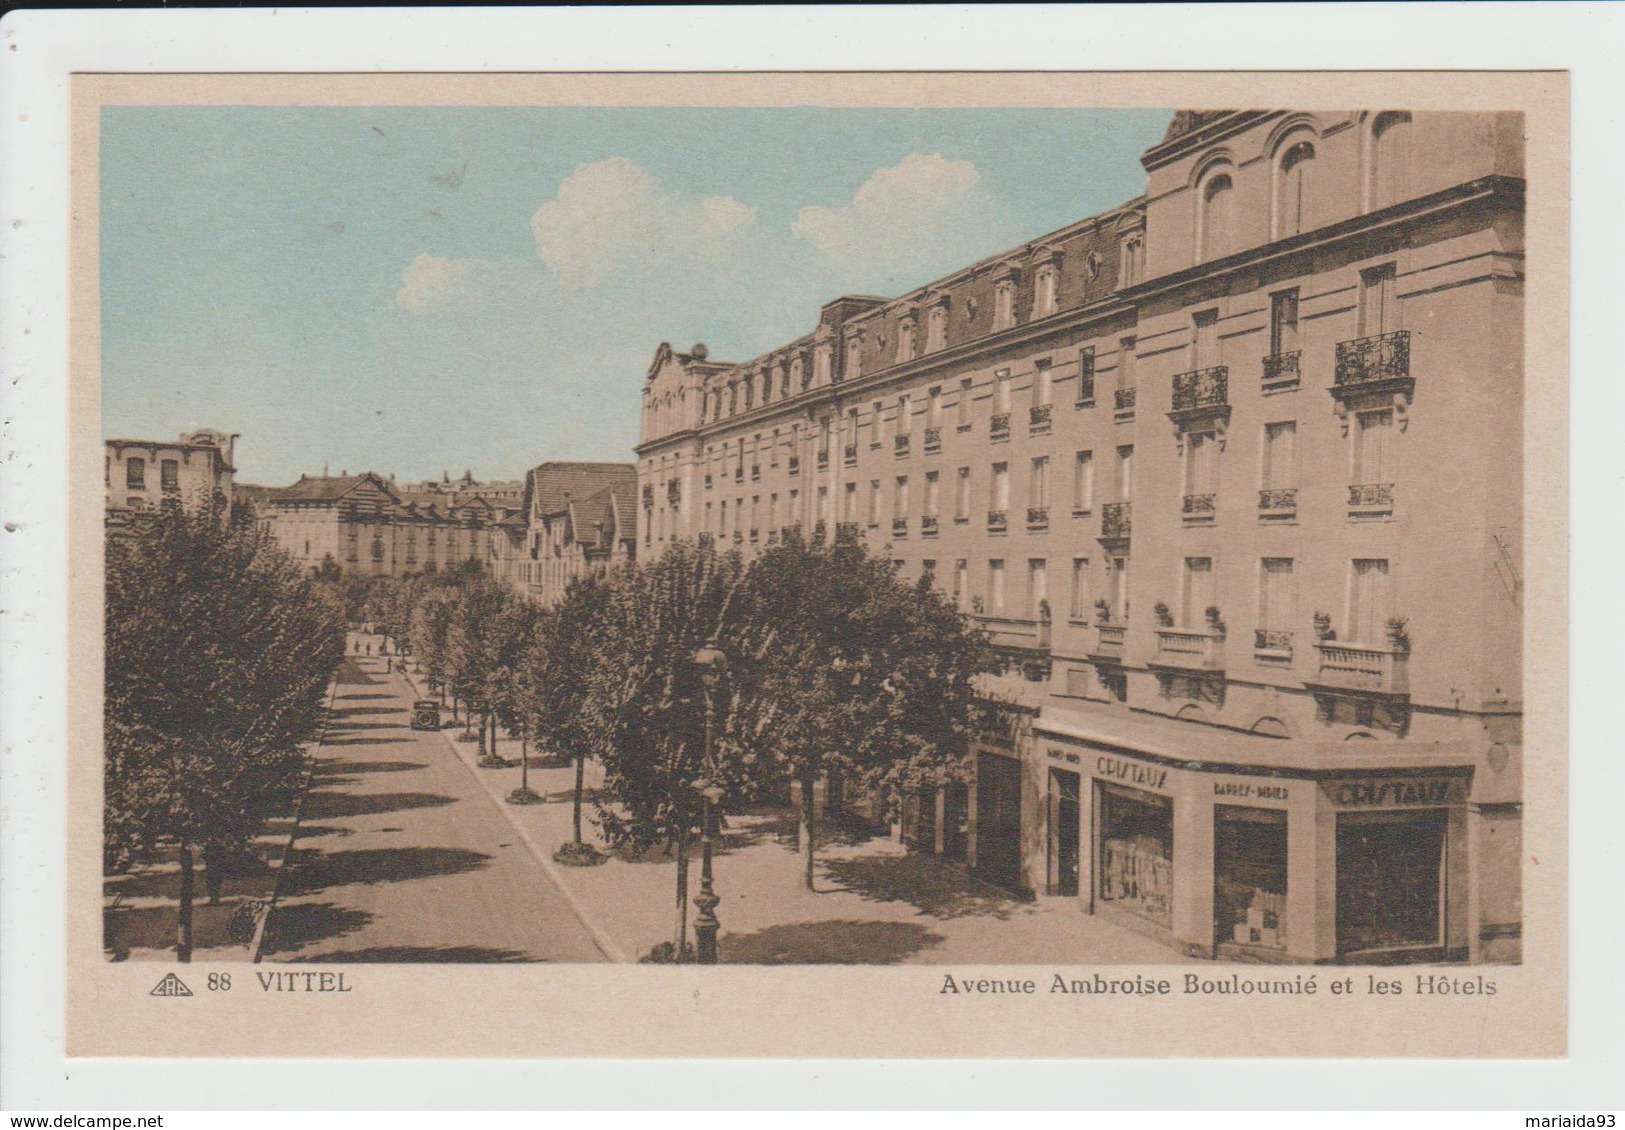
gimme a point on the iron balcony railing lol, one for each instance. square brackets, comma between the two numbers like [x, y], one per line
[899, 527]
[997, 519]
[1199, 505]
[1371, 496]
[794, 464]
[933, 439]
[1116, 519]
[900, 445]
[1278, 500]
[928, 526]
[1281, 369]
[1000, 424]
[1272, 639]
[1016, 632]
[851, 453]
[1366, 360]
[823, 460]
[846, 531]
[1202, 388]
[1038, 417]
[1037, 517]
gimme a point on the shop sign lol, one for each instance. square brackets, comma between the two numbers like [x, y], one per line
[1131, 772]
[1250, 790]
[1063, 755]
[1395, 792]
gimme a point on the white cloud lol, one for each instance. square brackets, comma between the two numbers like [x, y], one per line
[432, 285]
[923, 211]
[612, 217]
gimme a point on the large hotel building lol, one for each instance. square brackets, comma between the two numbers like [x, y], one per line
[1231, 475]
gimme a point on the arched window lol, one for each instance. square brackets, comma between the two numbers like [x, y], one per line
[1294, 185]
[1214, 236]
[1390, 158]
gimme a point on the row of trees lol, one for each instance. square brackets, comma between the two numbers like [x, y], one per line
[829, 664]
[218, 657]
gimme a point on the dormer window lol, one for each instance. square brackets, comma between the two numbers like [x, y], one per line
[1390, 158]
[1215, 227]
[1131, 266]
[1292, 189]
[1004, 303]
[905, 339]
[936, 333]
[854, 356]
[1044, 290]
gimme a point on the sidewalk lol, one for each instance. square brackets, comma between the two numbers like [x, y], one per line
[875, 902]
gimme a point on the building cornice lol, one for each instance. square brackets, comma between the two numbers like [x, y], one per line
[1167, 151]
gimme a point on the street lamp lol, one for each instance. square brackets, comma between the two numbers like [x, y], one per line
[711, 663]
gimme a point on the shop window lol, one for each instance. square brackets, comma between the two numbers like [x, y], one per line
[1249, 877]
[998, 819]
[1064, 825]
[1136, 852]
[1390, 867]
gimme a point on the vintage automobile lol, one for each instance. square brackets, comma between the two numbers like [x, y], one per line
[425, 714]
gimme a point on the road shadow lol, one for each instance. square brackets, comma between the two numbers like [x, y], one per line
[923, 882]
[314, 831]
[351, 711]
[341, 725]
[351, 675]
[338, 766]
[423, 955]
[317, 870]
[330, 806]
[366, 741]
[363, 697]
[293, 926]
[836, 942]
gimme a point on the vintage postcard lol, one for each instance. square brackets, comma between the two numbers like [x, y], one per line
[989, 564]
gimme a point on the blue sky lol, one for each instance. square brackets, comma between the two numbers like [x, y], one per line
[413, 290]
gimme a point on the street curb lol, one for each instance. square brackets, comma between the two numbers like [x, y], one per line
[600, 937]
[293, 833]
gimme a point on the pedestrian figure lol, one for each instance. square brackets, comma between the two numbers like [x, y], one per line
[358, 647]
[369, 649]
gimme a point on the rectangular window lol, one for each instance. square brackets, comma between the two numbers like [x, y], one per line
[1378, 312]
[1037, 588]
[1198, 595]
[850, 503]
[902, 415]
[709, 519]
[1277, 603]
[1125, 473]
[900, 500]
[1086, 376]
[933, 409]
[877, 433]
[1078, 608]
[936, 329]
[1283, 322]
[1204, 339]
[1372, 438]
[961, 583]
[1044, 293]
[772, 511]
[874, 502]
[932, 502]
[1001, 392]
[1368, 601]
[135, 474]
[1126, 359]
[1083, 482]
[1280, 468]
[1038, 490]
[1041, 384]
[823, 505]
[999, 496]
[169, 474]
[964, 402]
[962, 494]
[1119, 590]
[1201, 472]
[995, 586]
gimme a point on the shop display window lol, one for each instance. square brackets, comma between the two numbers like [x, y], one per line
[1249, 876]
[1390, 867]
[1136, 852]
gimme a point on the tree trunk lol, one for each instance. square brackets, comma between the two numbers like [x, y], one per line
[682, 895]
[581, 778]
[183, 923]
[214, 872]
[808, 816]
[524, 764]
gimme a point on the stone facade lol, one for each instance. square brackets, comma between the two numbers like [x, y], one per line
[195, 469]
[1232, 476]
[574, 518]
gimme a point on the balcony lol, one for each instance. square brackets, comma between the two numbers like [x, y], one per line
[847, 531]
[997, 521]
[1367, 670]
[790, 533]
[1190, 649]
[707, 482]
[674, 493]
[754, 535]
[755, 472]
[1369, 361]
[928, 526]
[899, 527]
[933, 440]
[793, 464]
[1038, 517]
[1038, 419]
[1016, 632]
[1124, 399]
[900, 445]
[1109, 643]
[820, 531]
[999, 427]
[1198, 509]
[739, 474]
[1201, 396]
[1278, 503]
[1281, 371]
[1116, 521]
[739, 537]
[1272, 643]
[850, 454]
[648, 496]
[1369, 500]
[823, 460]
[772, 537]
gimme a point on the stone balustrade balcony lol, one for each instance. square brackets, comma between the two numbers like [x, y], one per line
[1110, 639]
[1015, 631]
[1358, 667]
[1194, 649]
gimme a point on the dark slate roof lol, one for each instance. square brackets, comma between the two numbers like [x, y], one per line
[554, 485]
[325, 488]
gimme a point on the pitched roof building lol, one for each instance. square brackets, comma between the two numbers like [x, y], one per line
[577, 517]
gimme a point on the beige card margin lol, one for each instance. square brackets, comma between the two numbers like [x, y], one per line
[850, 1011]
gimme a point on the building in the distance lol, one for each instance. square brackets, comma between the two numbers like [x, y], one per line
[1231, 475]
[575, 518]
[364, 524]
[195, 470]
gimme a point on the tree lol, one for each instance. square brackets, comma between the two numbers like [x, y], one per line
[554, 677]
[841, 667]
[645, 707]
[218, 657]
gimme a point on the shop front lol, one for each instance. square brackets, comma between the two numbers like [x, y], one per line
[1260, 863]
